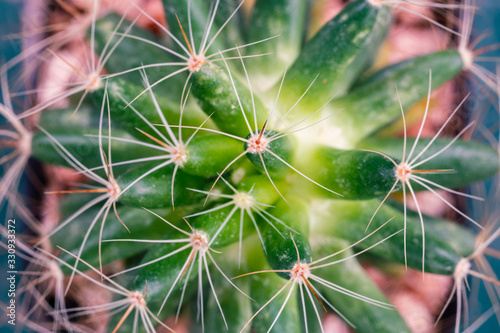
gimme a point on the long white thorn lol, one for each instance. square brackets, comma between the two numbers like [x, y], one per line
[237, 95]
[439, 132]
[282, 307]
[421, 226]
[269, 301]
[425, 117]
[447, 202]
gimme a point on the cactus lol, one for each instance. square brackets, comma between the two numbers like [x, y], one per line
[237, 172]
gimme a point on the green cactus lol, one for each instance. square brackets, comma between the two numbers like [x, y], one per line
[236, 171]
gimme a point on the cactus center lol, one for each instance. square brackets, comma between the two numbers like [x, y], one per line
[462, 269]
[179, 155]
[95, 82]
[243, 200]
[467, 57]
[258, 142]
[301, 272]
[403, 172]
[137, 298]
[199, 241]
[114, 189]
[196, 62]
[24, 144]
[55, 271]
